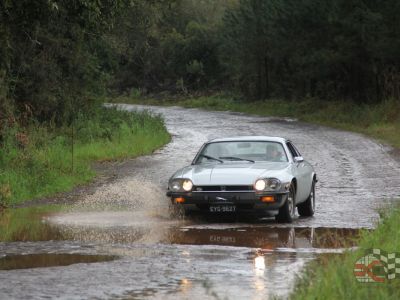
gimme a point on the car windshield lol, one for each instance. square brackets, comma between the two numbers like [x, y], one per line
[249, 151]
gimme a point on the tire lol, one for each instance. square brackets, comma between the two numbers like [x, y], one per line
[307, 208]
[287, 212]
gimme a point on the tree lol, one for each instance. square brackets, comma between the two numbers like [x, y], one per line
[49, 52]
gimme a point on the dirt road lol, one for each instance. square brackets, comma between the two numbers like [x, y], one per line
[156, 256]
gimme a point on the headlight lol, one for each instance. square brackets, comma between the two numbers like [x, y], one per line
[180, 185]
[187, 185]
[176, 185]
[260, 185]
[273, 184]
[268, 184]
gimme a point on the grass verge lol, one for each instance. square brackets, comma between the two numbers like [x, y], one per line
[334, 279]
[36, 160]
[380, 121]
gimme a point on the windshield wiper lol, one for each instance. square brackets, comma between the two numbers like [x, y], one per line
[236, 158]
[212, 158]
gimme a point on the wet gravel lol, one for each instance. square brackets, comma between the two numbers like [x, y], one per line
[198, 258]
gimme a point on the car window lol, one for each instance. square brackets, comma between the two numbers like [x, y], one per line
[252, 150]
[297, 150]
[291, 149]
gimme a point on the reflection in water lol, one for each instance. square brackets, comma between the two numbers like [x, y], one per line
[185, 285]
[266, 237]
[25, 224]
[46, 260]
[259, 263]
[259, 270]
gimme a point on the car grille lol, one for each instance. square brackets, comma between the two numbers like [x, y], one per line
[223, 188]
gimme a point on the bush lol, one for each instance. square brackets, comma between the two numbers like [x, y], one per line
[36, 160]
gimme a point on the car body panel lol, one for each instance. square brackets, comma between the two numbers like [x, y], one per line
[231, 173]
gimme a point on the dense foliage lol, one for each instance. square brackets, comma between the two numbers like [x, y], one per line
[49, 53]
[169, 45]
[328, 49]
[57, 55]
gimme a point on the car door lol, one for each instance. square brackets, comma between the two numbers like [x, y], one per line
[302, 171]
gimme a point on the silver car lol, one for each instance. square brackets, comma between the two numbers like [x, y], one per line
[246, 173]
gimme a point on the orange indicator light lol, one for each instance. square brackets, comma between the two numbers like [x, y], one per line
[268, 199]
[179, 200]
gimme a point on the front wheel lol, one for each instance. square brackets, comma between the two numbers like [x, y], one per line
[288, 210]
[307, 208]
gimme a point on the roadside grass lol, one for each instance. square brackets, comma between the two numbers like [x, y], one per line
[36, 160]
[334, 278]
[25, 224]
[380, 121]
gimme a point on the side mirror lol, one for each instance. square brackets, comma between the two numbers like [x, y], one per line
[298, 159]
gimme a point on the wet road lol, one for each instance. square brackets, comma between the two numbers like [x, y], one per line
[156, 256]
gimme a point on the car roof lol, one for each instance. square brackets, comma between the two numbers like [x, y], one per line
[250, 139]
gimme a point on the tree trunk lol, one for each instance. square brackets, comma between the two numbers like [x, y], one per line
[267, 79]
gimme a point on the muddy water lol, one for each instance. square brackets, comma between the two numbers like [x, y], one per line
[47, 260]
[206, 258]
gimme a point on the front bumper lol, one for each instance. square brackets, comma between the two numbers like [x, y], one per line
[248, 200]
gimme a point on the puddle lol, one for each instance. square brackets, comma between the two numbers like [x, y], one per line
[127, 227]
[46, 260]
[26, 224]
[130, 227]
[268, 238]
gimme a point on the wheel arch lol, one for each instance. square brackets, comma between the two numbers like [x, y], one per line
[314, 176]
[313, 181]
[294, 182]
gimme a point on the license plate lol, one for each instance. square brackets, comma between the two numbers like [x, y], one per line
[222, 208]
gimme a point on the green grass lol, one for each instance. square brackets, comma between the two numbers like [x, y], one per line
[380, 121]
[25, 224]
[334, 278]
[36, 161]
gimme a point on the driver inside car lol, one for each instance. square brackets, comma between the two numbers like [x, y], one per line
[273, 154]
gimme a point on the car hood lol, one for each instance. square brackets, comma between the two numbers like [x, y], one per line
[242, 173]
